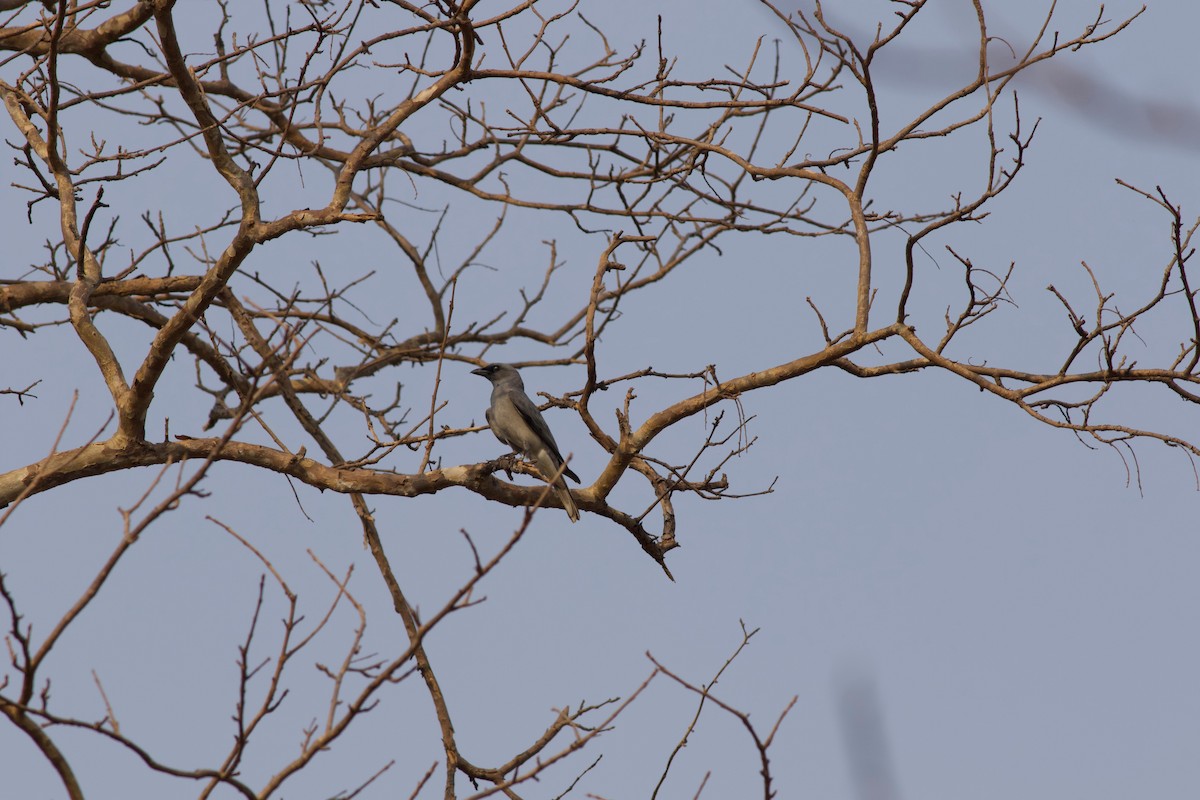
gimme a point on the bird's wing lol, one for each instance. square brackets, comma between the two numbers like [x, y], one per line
[534, 419]
[537, 423]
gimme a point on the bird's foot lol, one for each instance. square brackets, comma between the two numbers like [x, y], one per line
[507, 463]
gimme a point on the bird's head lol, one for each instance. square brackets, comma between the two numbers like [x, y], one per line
[500, 374]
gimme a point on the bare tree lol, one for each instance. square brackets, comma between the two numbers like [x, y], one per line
[380, 121]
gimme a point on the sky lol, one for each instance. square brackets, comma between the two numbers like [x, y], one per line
[1009, 610]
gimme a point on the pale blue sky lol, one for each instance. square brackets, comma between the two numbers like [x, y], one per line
[1027, 617]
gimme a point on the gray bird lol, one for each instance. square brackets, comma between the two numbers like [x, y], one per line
[517, 422]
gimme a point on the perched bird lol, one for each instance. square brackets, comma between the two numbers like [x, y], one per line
[517, 422]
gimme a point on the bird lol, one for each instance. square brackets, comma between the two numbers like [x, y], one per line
[516, 421]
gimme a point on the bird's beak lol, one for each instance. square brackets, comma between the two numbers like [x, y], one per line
[479, 372]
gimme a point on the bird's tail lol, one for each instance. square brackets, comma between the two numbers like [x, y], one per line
[554, 474]
[564, 494]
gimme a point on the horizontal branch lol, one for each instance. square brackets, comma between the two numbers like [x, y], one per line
[111, 456]
[633, 444]
[19, 295]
